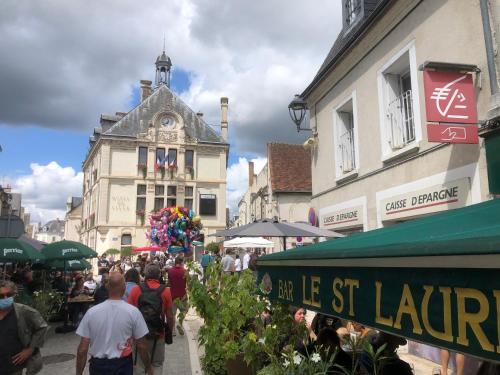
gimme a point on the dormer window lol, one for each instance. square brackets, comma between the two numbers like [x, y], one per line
[352, 12]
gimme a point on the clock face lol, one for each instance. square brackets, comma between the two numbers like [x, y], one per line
[167, 122]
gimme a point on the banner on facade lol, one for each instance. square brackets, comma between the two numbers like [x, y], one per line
[457, 309]
[343, 218]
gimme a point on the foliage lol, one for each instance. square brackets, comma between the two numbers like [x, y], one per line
[293, 363]
[229, 305]
[212, 247]
[46, 301]
[126, 251]
[112, 251]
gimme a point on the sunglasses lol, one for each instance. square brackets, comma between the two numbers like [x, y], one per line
[6, 295]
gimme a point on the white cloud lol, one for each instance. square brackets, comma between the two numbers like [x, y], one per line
[237, 180]
[46, 189]
[72, 60]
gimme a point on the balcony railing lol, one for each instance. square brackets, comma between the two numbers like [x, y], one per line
[346, 146]
[401, 120]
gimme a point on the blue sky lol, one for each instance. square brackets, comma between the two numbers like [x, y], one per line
[23, 145]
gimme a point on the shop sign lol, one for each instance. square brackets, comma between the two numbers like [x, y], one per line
[429, 200]
[456, 309]
[454, 133]
[449, 97]
[345, 218]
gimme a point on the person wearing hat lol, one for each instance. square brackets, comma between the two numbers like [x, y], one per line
[391, 363]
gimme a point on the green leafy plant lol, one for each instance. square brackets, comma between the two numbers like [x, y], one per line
[46, 301]
[212, 247]
[126, 251]
[229, 306]
[112, 251]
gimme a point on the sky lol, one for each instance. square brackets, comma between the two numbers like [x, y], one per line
[64, 63]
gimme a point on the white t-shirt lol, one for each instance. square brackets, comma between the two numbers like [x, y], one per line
[90, 285]
[111, 326]
[237, 265]
[246, 260]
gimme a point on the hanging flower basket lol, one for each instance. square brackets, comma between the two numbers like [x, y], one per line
[162, 171]
[172, 169]
[190, 170]
[141, 215]
[144, 169]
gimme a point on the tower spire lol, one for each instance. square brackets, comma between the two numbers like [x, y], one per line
[163, 66]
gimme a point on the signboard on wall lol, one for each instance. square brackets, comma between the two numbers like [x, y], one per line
[452, 133]
[449, 97]
[343, 218]
[432, 199]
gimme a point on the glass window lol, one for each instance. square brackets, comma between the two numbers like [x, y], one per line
[158, 204]
[208, 204]
[159, 189]
[171, 202]
[172, 191]
[141, 204]
[189, 191]
[126, 239]
[141, 189]
[188, 203]
[143, 156]
[160, 156]
[189, 157]
[172, 156]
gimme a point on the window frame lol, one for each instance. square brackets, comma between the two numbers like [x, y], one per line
[168, 156]
[137, 205]
[337, 123]
[122, 237]
[158, 199]
[190, 200]
[140, 193]
[139, 149]
[201, 208]
[387, 152]
[159, 190]
[191, 189]
[157, 159]
[186, 164]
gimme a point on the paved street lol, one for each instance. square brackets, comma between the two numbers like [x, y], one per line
[181, 358]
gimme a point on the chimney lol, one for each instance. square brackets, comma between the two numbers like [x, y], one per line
[250, 173]
[223, 117]
[145, 89]
[120, 114]
[199, 114]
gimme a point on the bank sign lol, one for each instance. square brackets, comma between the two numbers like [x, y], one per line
[432, 199]
[345, 218]
[457, 309]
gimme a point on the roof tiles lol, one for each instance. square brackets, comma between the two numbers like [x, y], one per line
[289, 167]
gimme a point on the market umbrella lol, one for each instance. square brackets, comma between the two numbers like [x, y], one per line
[13, 250]
[248, 242]
[273, 228]
[67, 250]
[71, 265]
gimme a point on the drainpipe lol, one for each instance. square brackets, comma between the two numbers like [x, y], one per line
[490, 51]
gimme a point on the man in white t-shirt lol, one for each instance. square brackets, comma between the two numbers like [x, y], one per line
[246, 259]
[107, 331]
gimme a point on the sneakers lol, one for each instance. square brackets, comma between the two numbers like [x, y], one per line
[180, 329]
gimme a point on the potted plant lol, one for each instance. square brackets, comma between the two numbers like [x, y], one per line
[172, 168]
[228, 305]
[162, 171]
[144, 169]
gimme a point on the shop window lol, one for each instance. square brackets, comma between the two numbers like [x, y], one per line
[208, 204]
[141, 189]
[159, 204]
[400, 125]
[143, 156]
[189, 159]
[159, 190]
[172, 157]
[345, 134]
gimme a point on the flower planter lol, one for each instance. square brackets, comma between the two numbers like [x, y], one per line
[238, 366]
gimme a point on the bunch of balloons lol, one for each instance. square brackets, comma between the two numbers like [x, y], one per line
[174, 229]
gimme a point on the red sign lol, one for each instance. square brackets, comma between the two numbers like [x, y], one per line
[449, 97]
[452, 133]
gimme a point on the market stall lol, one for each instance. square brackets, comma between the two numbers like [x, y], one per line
[434, 280]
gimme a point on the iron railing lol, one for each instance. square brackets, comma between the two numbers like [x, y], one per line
[346, 146]
[401, 120]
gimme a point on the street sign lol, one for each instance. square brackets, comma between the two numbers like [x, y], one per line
[449, 97]
[452, 133]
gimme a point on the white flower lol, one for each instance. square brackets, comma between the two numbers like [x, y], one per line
[297, 359]
[262, 340]
[286, 363]
[315, 358]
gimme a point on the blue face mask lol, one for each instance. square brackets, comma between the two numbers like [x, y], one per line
[6, 303]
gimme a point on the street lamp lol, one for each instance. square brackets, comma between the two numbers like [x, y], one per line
[297, 110]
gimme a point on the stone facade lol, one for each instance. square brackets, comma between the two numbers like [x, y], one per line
[160, 153]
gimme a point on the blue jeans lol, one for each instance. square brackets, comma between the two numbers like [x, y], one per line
[115, 366]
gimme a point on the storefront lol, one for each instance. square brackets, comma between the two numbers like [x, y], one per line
[346, 218]
[433, 280]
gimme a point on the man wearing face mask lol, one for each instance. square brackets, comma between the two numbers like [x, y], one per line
[22, 330]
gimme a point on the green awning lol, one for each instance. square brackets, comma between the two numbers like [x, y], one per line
[434, 280]
[471, 230]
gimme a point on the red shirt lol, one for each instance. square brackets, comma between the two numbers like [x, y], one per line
[133, 297]
[177, 281]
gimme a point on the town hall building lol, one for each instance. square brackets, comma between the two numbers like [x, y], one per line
[160, 154]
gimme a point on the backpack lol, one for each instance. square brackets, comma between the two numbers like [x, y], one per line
[150, 305]
[252, 263]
